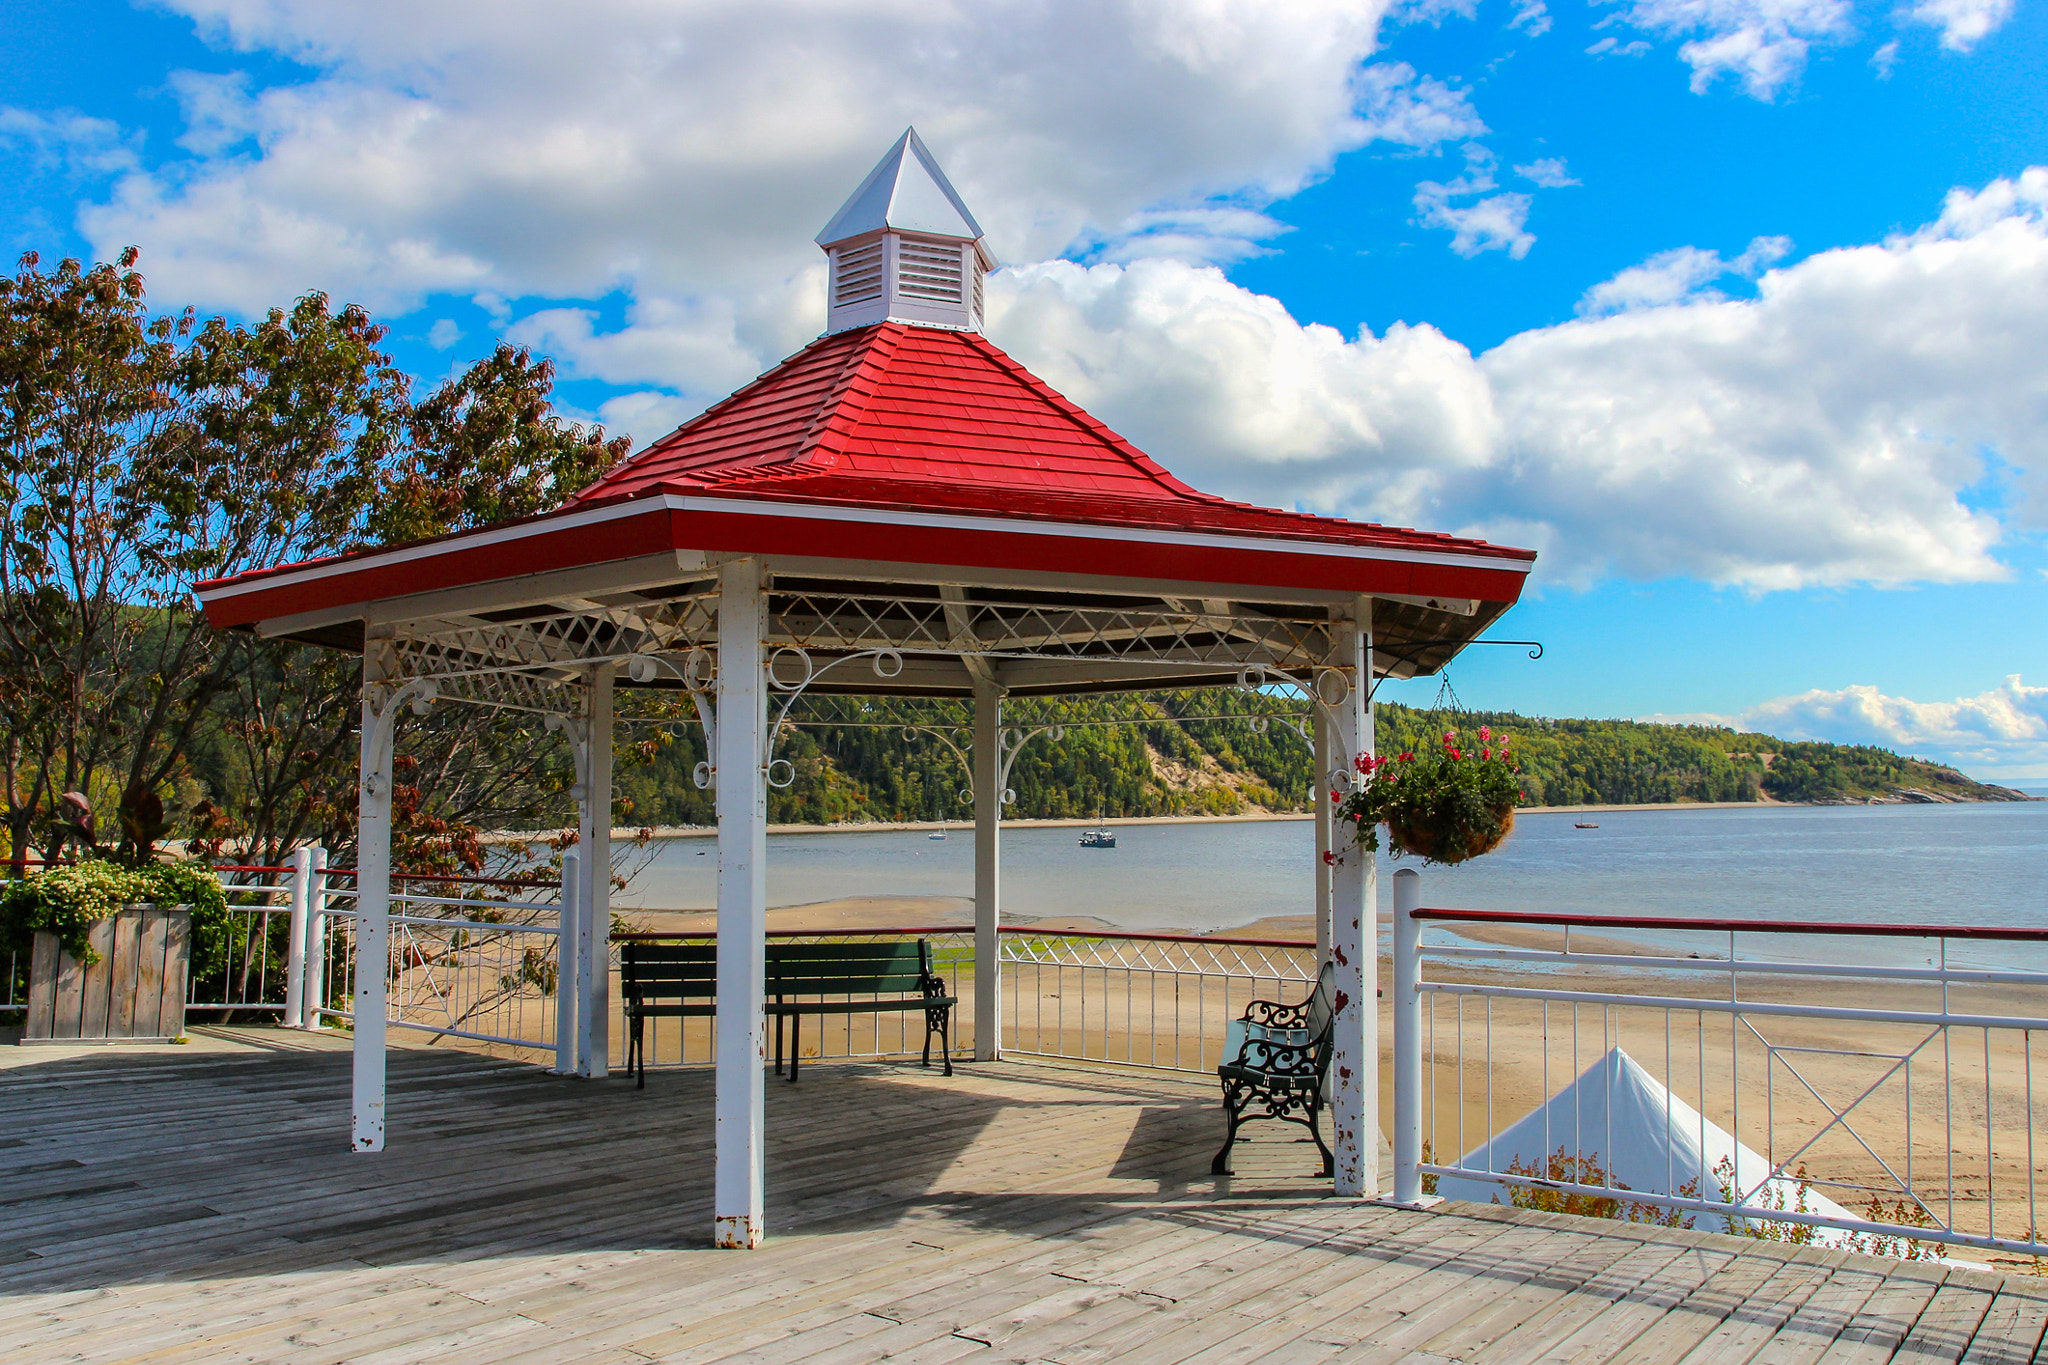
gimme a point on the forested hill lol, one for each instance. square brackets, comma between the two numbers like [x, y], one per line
[1211, 754]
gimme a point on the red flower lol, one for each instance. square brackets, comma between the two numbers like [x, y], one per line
[1329, 858]
[1457, 753]
[1407, 758]
[1485, 733]
[1450, 735]
[1486, 753]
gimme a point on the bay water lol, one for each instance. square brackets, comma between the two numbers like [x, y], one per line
[1921, 864]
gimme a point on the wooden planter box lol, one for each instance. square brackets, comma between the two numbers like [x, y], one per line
[135, 991]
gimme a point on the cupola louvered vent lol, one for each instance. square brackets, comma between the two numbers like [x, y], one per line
[931, 271]
[905, 249]
[857, 274]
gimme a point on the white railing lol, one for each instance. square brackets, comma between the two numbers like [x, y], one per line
[248, 963]
[466, 960]
[1150, 1000]
[891, 1033]
[1878, 1079]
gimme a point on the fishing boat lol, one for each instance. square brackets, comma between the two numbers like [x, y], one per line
[1098, 838]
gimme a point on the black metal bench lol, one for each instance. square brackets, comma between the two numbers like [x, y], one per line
[892, 976]
[1278, 1056]
[664, 981]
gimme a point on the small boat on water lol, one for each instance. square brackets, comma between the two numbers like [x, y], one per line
[936, 834]
[1098, 838]
[1584, 824]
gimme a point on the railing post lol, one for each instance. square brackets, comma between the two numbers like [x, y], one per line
[1408, 1041]
[315, 982]
[568, 975]
[301, 862]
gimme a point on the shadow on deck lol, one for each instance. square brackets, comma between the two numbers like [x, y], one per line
[187, 1204]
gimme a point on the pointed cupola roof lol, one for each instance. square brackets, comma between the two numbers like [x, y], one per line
[904, 248]
[907, 191]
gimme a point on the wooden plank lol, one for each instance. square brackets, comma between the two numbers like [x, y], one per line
[1881, 1326]
[1946, 1326]
[1752, 1323]
[70, 996]
[2011, 1331]
[1746, 1276]
[153, 936]
[177, 962]
[127, 962]
[97, 980]
[1808, 1334]
[42, 988]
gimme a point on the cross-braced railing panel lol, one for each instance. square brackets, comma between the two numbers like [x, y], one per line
[546, 644]
[1138, 632]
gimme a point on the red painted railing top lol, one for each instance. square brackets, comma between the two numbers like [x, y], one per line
[1021, 929]
[1747, 926]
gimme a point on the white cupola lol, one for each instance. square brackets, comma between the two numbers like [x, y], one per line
[904, 248]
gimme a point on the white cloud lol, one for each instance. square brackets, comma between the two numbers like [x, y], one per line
[1488, 221]
[70, 140]
[1678, 275]
[1963, 23]
[2003, 731]
[443, 334]
[1884, 59]
[566, 151]
[1400, 107]
[1763, 44]
[1532, 17]
[1547, 173]
[1826, 432]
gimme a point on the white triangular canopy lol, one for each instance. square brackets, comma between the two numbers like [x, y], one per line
[908, 192]
[1620, 1118]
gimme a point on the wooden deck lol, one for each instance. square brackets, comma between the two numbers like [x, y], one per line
[198, 1204]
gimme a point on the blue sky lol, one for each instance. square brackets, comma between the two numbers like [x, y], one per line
[1736, 309]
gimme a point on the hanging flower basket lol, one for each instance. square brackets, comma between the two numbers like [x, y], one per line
[1442, 807]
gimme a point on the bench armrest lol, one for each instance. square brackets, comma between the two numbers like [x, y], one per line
[1276, 1013]
[933, 985]
[1273, 1058]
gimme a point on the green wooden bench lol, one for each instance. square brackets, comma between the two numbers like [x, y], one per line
[1278, 1057]
[664, 981]
[872, 978]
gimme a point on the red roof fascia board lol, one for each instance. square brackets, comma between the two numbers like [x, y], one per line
[439, 564]
[1391, 562]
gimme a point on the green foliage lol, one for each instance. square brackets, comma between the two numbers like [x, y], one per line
[68, 901]
[1445, 804]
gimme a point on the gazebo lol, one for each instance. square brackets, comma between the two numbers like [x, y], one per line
[898, 508]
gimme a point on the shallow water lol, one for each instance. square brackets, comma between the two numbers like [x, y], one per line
[1948, 865]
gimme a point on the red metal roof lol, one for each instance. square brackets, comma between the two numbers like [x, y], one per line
[910, 445]
[916, 418]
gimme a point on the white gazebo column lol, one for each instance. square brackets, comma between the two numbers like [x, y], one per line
[988, 872]
[1354, 947]
[594, 901]
[742, 807]
[1319, 797]
[382, 704]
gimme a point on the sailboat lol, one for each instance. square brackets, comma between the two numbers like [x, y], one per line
[1102, 836]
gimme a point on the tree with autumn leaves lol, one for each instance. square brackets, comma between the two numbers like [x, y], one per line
[141, 452]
